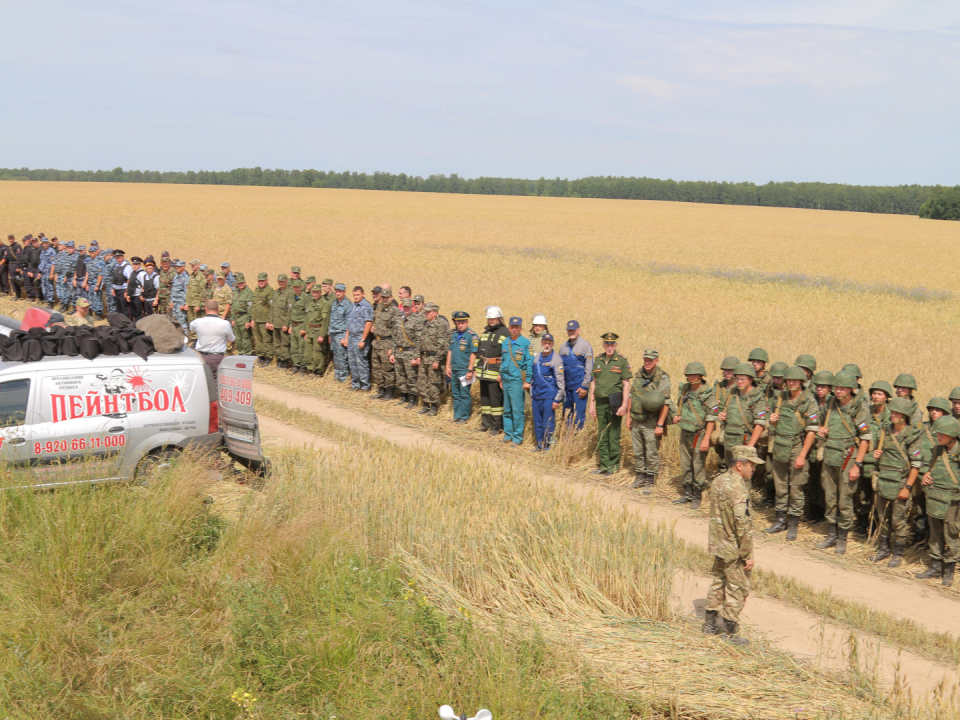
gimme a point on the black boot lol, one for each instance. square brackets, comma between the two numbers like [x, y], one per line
[434, 409]
[411, 401]
[948, 569]
[793, 522]
[883, 550]
[380, 394]
[897, 556]
[651, 483]
[779, 525]
[686, 497]
[733, 630]
[841, 547]
[404, 399]
[697, 498]
[387, 394]
[425, 409]
[710, 623]
[831, 539]
[639, 480]
[935, 570]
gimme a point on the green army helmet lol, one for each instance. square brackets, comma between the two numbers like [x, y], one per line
[955, 393]
[730, 363]
[853, 369]
[807, 362]
[845, 380]
[652, 401]
[883, 386]
[905, 380]
[695, 368]
[758, 354]
[779, 369]
[937, 403]
[745, 369]
[946, 425]
[795, 373]
[824, 377]
[902, 406]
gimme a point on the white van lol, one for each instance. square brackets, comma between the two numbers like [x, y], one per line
[70, 419]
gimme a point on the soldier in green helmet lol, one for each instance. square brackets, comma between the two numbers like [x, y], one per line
[809, 365]
[847, 435]
[794, 421]
[765, 446]
[879, 395]
[941, 485]
[759, 358]
[821, 384]
[899, 460]
[723, 389]
[905, 385]
[936, 409]
[745, 414]
[650, 405]
[697, 416]
[777, 373]
[608, 402]
[954, 398]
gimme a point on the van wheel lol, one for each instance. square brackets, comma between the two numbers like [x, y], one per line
[155, 463]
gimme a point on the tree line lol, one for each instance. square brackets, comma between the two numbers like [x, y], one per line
[900, 199]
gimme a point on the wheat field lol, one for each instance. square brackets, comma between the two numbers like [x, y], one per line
[697, 282]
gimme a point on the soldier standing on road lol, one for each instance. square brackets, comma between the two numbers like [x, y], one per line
[577, 356]
[608, 402]
[241, 316]
[318, 317]
[731, 544]
[385, 317]
[697, 416]
[461, 359]
[547, 391]
[516, 364]
[339, 316]
[406, 354]
[359, 327]
[178, 294]
[298, 326]
[489, 355]
[794, 421]
[650, 406]
[848, 436]
[279, 323]
[941, 485]
[262, 305]
[433, 343]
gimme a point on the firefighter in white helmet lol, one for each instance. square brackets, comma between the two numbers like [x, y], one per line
[537, 331]
[488, 372]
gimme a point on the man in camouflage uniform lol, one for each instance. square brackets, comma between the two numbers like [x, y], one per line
[406, 353]
[433, 343]
[731, 544]
[315, 328]
[723, 389]
[110, 265]
[339, 318]
[262, 303]
[178, 294]
[745, 415]
[64, 268]
[298, 320]
[223, 294]
[359, 329]
[95, 281]
[196, 287]
[241, 316]
[386, 313]
[228, 276]
[941, 485]
[47, 257]
[167, 273]
[279, 325]
[696, 416]
[650, 389]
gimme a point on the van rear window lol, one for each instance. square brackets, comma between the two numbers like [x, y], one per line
[13, 402]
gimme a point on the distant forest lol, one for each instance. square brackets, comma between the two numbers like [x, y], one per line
[900, 199]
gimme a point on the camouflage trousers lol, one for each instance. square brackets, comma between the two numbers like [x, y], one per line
[65, 292]
[646, 447]
[894, 518]
[244, 339]
[47, 285]
[163, 305]
[945, 535]
[263, 340]
[430, 382]
[96, 301]
[729, 589]
[693, 470]
[381, 369]
[838, 493]
[359, 363]
[179, 316]
[790, 484]
[405, 372]
[341, 362]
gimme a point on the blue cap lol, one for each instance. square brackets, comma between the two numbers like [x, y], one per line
[82, 247]
[546, 336]
[108, 251]
[516, 320]
[224, 264]
[573, 325]
[203, 267]
[339, 286]
[94, 244]
[69, 243]
[179, 263]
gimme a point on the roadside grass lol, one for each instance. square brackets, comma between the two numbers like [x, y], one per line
[904, 633]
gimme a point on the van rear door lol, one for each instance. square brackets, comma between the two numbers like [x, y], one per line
[238, 420]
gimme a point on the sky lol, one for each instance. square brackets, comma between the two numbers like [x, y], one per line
[859, 91]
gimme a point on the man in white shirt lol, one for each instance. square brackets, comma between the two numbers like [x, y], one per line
[213, 334]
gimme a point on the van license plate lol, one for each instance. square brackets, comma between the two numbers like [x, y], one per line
[240, 433]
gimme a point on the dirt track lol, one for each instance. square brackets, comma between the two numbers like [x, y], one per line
[795, 630]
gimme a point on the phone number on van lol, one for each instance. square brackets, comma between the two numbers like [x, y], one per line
[94, 443]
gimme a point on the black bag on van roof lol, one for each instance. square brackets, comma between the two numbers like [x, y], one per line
[90, 347]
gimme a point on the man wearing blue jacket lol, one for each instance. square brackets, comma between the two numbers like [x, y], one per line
[547, 391]
[516, 364]
[577, 357]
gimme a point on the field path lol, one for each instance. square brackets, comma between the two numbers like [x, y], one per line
[793, 629]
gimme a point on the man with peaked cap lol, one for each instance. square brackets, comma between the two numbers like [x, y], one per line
[228, 277]
[82, 316]
[339, 318]
[328, 297]
[317, 320]
[577, 356]
[608, 402]
[64, 268]
[195, 291]
[359, 327]
[516, 366]
[298, 326]
[696, 416]
[433, 343]
[178, 294]
[95, 281]
[47, 256]
[279, 324]
[546, 391]
[166, 273]
[461, 360]
[223, 294]
[241, 316]
[385, 317]
[405, 355]
[650, 406]
[262, 303]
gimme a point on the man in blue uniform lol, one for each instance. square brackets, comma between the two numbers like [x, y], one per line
[577, 357]
[339, 315]
[516, 364]
[359, 325]
[461, 359]
[546, 392]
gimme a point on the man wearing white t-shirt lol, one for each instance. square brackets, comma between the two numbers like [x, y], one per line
[213, 334]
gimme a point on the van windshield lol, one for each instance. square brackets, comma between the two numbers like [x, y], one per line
[13, 402]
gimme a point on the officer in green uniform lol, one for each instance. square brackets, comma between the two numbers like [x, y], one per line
[723, 390]
[327, 297]
[899, 458]
[941, 485]
[315, 323]
[298, 326]
[241, 315]
[196, 287]
[650, 405]
[461, 359]
[262, 304]
[794, 420]
[745, 415]
[696, 416]
[279, 325]
[608, 402]
[848, 436]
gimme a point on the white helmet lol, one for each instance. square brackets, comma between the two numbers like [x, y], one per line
[540, 320]
[494, 312]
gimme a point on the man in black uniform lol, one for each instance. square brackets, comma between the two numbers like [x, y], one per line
[16, 281]
[488, 372]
